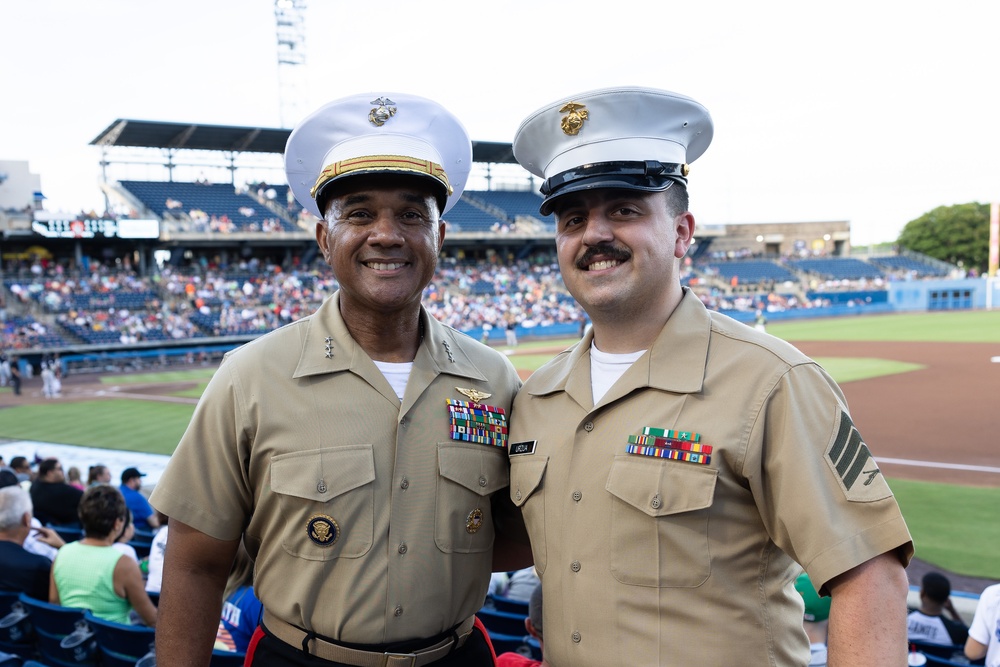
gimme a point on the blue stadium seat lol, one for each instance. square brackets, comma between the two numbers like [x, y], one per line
[121, 645]
[502, 622]
[510, 605]
[524, 644]
[226, 659]
[63, 637]
[16, 634]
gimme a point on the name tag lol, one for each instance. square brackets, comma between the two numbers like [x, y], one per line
[524, 447]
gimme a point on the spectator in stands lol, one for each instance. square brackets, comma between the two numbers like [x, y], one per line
[372, 356]
[533, 626]
[241, 611]
[5, 375]
[928, 623]
[55, 501]
[521, 583]
[98, 474]
[73, 478]
[984, 633]
[91, 574]
[713, 483]
[157, 549]
[22, 570]
[21, 468]
[815, 619]
[124, 537]
[145, 515]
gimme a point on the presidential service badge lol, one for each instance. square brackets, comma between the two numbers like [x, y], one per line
[384, 110]
[322, 530]
[475, 520]
[572, 122]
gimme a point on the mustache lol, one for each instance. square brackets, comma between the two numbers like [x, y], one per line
[604, 250]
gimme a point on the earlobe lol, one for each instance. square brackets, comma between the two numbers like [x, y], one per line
[684, 226]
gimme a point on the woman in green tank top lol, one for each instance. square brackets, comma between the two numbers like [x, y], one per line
[91, 574]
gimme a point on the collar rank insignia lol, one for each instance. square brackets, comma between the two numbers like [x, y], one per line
[384, 110]
[572, 123]
[322, 530]
[474, 395]
[329, 348]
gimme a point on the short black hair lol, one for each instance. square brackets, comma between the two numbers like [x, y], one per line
[47, 466]
[936, 587]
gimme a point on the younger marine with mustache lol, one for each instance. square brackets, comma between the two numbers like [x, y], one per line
[677, 470]
[359, 453]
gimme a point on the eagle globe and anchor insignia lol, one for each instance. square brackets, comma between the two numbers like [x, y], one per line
[384, 110]
[322, 530]
[572, 122]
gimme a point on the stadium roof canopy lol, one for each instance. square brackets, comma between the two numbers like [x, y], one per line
[227, 138]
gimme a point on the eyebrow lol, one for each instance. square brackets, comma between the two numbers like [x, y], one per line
[361, 198]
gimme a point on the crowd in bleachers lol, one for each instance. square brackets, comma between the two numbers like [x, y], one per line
[112, 304]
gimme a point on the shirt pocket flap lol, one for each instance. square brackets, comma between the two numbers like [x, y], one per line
[661, 488]
[322, 475]
[479, 468]
[526, 477]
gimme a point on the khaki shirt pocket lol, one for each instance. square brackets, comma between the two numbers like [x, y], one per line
[526, 474]
[468, 476]
[659, 522]
[332, 519]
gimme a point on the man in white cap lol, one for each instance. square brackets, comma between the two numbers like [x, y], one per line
[674, 465]
[358, 452]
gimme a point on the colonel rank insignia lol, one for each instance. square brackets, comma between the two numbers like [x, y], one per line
[383, 111]
[572, 122]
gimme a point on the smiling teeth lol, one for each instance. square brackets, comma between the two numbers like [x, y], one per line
[385, 267]
[606, 264]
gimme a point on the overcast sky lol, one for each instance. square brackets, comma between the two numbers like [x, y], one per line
[872, 112]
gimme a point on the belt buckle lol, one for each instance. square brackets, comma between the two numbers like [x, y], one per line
[399, 659]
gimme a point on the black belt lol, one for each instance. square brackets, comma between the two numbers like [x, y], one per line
[295, 636]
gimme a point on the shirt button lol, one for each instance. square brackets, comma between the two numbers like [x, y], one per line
[404, 483]
[482, 480]
[575, 566]
[517, 495]
[402, 422]
[576, 637]
[577, 495]
[655, 503]
[398, 611]
[402, 548]
[588, 427]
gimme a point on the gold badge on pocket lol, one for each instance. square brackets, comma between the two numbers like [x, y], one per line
[475, 520]
[322, 530]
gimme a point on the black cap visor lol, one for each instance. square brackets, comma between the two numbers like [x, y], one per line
[648, 176]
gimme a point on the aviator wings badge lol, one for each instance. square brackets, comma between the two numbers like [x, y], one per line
[474, 395]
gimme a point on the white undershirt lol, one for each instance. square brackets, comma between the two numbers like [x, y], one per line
[396, 374]
[606, 368]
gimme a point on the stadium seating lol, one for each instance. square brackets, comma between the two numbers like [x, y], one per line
[16, 634]
[502, 622]
[903, 263]
[120, 645]
[464, 217]
[841, 268]
[526, 645]
[752, 271]
[63, 637]
[509, 605]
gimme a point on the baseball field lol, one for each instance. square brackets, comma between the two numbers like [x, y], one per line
[922, 390]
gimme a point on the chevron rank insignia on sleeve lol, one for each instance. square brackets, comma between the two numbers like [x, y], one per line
[850, 460]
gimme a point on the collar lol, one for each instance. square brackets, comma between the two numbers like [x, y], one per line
[675, 362]
[327, 347]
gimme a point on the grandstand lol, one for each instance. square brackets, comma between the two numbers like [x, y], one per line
[182, 260]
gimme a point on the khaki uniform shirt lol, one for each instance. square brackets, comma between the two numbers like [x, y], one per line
[647, 560]
[368, 521]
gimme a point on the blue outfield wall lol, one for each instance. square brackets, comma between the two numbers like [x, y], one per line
[958, 294]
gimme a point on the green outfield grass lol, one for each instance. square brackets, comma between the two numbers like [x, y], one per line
[978, 326]
[953, 527]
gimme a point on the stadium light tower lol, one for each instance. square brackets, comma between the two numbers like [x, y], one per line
[290, 18]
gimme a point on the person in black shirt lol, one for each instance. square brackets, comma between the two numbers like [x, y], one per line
[22, 571]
